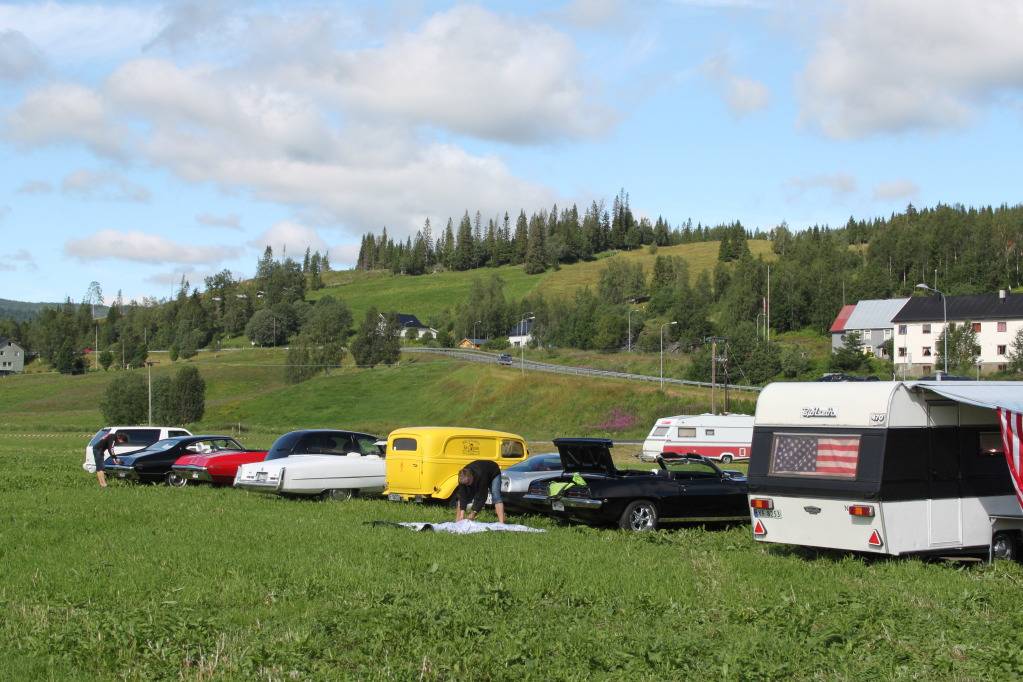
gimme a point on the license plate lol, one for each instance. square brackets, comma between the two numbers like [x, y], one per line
[394, 497]
[121, 474]
[261, 476]
[767, 513]
[557, 505]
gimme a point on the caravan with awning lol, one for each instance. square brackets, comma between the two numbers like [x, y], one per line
[888, 467]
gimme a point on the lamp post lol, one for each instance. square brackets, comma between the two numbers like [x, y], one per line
[944, 333]
[630, 328]
[522, 343]
[474, 337]
[666, 324]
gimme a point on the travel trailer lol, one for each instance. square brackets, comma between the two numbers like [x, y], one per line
[885, 467]
[723, 437]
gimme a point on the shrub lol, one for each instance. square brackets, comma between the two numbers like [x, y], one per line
[126, 400]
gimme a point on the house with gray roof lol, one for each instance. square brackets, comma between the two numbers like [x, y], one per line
[872, 319]
[12, 357]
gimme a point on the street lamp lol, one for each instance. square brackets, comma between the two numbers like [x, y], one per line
[630, 328]
[944, 334]
[522, 343]
[149, 374]
[666, 324]
[474, 337]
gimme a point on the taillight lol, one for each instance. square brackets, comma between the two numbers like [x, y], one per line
[761, 503]
[861, 510]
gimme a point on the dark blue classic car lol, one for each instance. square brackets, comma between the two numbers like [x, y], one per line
[594, 491]
[153, 464]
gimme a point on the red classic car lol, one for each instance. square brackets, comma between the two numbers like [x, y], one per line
[217, 464]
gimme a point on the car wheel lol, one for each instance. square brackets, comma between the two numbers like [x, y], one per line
[338, 494]
[1005, 545]
[640, 515]
[175, 480]
[726, 459]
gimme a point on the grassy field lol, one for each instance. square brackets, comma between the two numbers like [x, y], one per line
[247, 387]
[428, 295]
[147, 582]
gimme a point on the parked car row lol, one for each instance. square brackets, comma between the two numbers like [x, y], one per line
[579, 482]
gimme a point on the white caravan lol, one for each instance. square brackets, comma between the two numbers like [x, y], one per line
[724, 437]
[885, 467]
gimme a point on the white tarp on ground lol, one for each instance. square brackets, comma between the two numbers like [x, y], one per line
[467, 527]
[1007, 395]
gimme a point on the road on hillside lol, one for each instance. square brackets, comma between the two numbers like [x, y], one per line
[485, 357]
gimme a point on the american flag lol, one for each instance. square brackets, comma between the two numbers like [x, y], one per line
[816, 455]
[1012, 426]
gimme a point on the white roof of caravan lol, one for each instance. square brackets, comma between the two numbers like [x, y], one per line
[875, 313]
[707, 419]
[876, 404]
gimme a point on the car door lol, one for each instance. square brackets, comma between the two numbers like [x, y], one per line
[702, 491]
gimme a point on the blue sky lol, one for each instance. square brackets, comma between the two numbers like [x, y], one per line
[140, 143]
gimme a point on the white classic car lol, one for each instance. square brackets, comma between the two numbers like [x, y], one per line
[330, 464]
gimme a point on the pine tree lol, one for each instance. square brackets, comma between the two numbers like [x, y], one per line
[536, 252]
[521, 244]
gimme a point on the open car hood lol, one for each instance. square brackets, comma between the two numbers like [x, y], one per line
[585, 455]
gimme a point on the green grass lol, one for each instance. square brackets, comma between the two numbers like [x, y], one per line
[428, 295]
[147, 582]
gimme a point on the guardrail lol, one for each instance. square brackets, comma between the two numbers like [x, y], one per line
[469, 355]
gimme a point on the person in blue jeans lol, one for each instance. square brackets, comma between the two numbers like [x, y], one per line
[99, 454]
[475, 480]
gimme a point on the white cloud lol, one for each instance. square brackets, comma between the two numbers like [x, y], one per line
[594, 13]
[66, 113]
[896, 189]
[886, 66]
[188, 22]
[35, 187]
[473, 72]
[743, 95]
[837, 185]
[19, 58]
[105, 185]
[23, 258]
[288, 237]
[75, 31]
[230, 221]
[141, 247]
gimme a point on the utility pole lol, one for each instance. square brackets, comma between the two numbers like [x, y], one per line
[767, 327]
[149, 374]
[95, 349]
[713, 374]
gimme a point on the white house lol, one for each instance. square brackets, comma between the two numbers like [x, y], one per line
[521, 333]
[406, 322]
[12, 357]
[996, 318]
[872, 319]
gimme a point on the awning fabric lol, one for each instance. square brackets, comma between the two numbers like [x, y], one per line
[1007, 395]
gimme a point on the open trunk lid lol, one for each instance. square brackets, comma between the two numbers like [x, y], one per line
[586, 455]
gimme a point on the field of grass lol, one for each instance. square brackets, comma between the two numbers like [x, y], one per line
[428, 295]
[247, 387]
[147, 582]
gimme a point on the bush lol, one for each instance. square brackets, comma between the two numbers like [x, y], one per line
[106, 358]
[497, 343]
[126, 400]
[180, 400]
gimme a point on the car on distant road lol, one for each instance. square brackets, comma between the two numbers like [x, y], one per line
[211, 465]
[505, 359]
[592, 490]
[515, 479]
[153, 464]
[139, 437]
[331, 464]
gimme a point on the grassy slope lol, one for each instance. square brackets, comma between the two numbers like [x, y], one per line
[247, 386]
[428, 295]
[141, 582]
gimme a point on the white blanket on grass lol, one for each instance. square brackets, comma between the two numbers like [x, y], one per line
[467, 527]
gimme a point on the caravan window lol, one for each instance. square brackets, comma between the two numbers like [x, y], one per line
[686, 432]
[818, 455]
[659, 432]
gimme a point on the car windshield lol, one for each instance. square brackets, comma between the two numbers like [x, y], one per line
[162, 445]
[690, 468]
[546, 462]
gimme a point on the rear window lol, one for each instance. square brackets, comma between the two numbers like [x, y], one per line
[686, 432]
[659, 432]
[405, 444]
[98, 437]
[325, 444]
[141, 436]
[176, 434]
[283, 446]
[512, 449]
[820, 456]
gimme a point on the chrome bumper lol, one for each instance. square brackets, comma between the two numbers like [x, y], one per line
[191, 472]
[567, 502]
[259, 486]
[121, 472]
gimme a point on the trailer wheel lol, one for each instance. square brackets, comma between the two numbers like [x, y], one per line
[1006, 545]
[639, 516]
[726, 459]
[175, 480]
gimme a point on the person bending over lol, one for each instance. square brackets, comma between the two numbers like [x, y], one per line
[475, 480]
[99, 453]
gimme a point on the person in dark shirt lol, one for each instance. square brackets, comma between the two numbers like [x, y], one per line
[475, 480]
[99, 453]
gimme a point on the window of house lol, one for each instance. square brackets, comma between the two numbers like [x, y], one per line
[1002, 368]
[902, 330]
[926, 328]
[887, 333]
[927, 351]
[902, 351]
[976, 326]
[926, 369]
[1001, 326]
[1001, 350]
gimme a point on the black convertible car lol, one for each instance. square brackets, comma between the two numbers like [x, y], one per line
[153, 464]
[592, 490]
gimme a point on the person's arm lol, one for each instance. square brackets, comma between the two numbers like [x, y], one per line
[479, 501]
[459, 507]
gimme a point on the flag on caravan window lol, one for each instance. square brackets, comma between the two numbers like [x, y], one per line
[1012, 426]
[834, 456]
